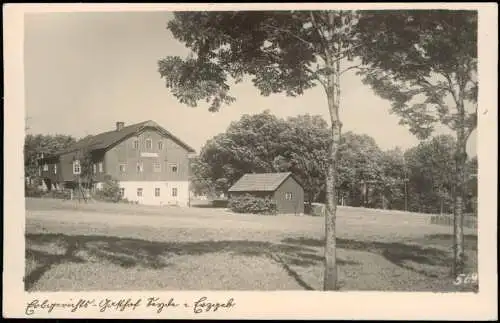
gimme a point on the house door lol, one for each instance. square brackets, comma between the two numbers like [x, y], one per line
[140, 195]
[174, 194]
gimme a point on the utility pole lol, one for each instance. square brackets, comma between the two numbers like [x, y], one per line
[26, 126]
[406, 195]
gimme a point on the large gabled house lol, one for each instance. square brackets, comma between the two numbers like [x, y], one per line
[150, 164]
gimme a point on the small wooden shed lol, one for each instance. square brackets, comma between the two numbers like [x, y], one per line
[283, 188]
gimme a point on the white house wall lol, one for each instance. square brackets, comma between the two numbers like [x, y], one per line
[148, 192]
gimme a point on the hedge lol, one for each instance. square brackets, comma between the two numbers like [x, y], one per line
[251, 204]
[110, 192]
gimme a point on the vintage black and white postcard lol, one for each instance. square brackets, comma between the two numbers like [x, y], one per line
[310, 161]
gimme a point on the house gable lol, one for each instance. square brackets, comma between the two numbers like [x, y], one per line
[106, 140]
[291, 177]
[140, 158]
[289, 196]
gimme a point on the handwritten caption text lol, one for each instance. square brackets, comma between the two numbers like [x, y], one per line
[156, 304]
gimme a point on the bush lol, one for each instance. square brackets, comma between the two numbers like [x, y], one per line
[33, 191]
[58, 194]
[251, 204]
[110, 192]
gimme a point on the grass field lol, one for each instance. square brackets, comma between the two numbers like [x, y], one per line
[73, 246]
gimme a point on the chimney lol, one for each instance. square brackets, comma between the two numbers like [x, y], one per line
[119, 125]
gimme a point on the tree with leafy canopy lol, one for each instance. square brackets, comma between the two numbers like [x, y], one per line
[248, 145]
[200, 182]
[394, 172]
[263, 143]
[360, 168]
[303, 150]
[37, 145]
[86, 178]
[431, 167]
[425, 62]
[285, 52]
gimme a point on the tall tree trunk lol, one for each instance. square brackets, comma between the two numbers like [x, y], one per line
[460, 164]
[458, 218]
[330, 276]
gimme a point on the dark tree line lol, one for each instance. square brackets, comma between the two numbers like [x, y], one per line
[419, 179]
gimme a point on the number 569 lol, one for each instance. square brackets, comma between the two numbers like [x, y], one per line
[465, 279]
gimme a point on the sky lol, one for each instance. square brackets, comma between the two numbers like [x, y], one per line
[86, 71]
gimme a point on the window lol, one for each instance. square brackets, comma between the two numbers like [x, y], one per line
[149, 143]
[139, 167]
[139, 192]
[157, 191]
[39, 171]
[101, 167]
[45, 167]
[123, 168]
[174, 191]
[160, 145]
[94, 168]
[76, 167]
[136, 144]
[55, 168]
[173, 167]
[122, 191]
[288, 196]
[156, 167]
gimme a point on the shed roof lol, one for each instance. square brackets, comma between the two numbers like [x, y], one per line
[264, 182]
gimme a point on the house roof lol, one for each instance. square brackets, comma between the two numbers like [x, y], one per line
[107, 139]
[264, 182]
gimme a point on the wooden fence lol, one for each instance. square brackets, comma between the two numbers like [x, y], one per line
[469, 220]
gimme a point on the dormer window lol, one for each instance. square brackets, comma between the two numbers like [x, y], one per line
[149, 143]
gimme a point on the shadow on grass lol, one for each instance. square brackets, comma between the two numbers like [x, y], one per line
[470, 240]
[208, 206]
[216, 204]
[127, 252]
[397, 253]
[48, 260]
